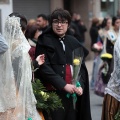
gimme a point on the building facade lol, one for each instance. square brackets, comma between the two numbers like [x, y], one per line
[86, 8]
[5, 9]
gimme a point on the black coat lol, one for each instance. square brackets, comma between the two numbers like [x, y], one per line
[93, 34]
[53, 71]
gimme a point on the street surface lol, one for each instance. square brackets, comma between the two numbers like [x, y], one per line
[96, 101]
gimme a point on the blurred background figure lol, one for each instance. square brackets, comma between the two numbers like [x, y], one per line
[81, 27]
[113, 32]
[106, 25]
[32, 33]
[111, 39]
[42, 22]
[118, 13]
[74, 29]
[77, 25]
[94, 31]
[31, 21]
[94, 38]
[111, 103]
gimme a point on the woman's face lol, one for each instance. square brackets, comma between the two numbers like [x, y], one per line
[37, 34]
[117, 24]
[109, 23]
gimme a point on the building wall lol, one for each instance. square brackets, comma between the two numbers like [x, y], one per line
[87, 9]
[116, 6]
[5, 10]
[31, 8]
[82, 7]
[56, 4]
[96, 5]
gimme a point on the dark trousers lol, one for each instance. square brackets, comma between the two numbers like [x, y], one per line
[67, 113]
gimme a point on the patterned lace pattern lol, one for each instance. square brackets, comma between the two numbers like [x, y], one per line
[23, 102]
[113, 87]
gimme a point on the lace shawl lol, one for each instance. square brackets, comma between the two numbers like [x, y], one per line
[7, 81]
[24, 102]
[113, 87]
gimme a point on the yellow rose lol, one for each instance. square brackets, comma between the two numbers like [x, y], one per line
[106, 55]
[42, 93]
[76, 61]
[45, 95]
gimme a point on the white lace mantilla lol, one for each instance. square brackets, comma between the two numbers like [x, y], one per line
[113, 87]
[20, 102]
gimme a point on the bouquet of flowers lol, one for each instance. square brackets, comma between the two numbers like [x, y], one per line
[106, 57]
[45, 100]
[77, 61]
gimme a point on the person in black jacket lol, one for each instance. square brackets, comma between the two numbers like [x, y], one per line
[94, 31]
[55, 73]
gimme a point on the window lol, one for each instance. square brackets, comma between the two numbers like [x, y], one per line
[4, 1]
[108, 7]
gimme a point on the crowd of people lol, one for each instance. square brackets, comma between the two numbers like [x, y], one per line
[105, 75]
[48, 43]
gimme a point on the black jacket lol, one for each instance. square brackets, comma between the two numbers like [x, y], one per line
[53, 71]
[93, 34]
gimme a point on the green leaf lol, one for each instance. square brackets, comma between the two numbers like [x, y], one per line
[45, 100]
[117, 116]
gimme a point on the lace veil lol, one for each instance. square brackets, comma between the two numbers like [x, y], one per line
[17, 75]
[113, 86]
[7, 81]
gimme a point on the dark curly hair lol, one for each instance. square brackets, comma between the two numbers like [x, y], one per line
[60, 14]
[114, 20]
[30, 31]
[104, 22]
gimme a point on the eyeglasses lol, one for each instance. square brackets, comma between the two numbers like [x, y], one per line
[62, 22]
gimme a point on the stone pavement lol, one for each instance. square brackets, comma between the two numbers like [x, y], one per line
[95, 101]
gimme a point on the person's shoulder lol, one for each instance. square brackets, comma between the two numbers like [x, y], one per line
[46, 34]
[44, 38]
[74, 42]
[72, 38]
[92, 29]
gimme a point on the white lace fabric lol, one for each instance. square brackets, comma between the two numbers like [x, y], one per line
[7, 81]
[17, 93]
[113, 87]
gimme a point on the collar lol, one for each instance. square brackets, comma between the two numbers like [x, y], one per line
[32, 42]
[62, 38]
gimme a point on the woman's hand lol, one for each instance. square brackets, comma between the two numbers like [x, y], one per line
[40, 59]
